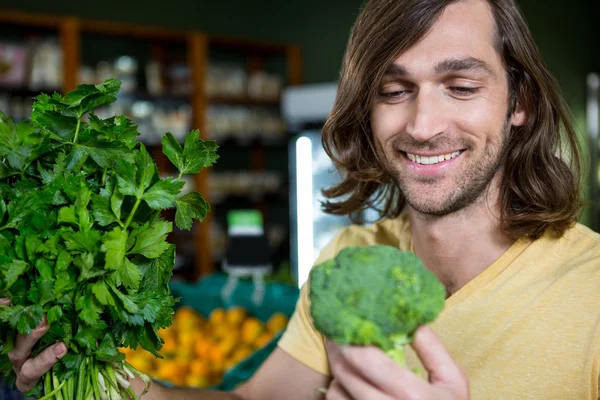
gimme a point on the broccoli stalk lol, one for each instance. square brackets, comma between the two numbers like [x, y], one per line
[396, 353]
[374, 295]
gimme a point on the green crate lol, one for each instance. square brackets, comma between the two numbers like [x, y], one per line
[205, 296]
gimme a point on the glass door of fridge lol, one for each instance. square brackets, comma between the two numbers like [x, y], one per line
[311, 171]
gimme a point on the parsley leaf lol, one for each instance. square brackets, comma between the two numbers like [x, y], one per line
[190, 206]
[195, 155]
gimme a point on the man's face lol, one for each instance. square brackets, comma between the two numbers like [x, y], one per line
[440, 121]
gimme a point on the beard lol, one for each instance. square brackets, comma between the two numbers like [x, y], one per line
[468, 185]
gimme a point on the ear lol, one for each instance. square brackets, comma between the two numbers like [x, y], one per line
[519, 116]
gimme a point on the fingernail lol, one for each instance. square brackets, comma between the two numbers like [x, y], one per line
[43, 324]
[59, 350]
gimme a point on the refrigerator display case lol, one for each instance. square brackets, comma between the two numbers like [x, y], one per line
[305, 110]
[593, 127]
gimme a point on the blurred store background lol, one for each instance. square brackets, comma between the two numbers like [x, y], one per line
[259, 78]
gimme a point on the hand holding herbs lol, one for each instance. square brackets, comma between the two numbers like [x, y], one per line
[82, 240]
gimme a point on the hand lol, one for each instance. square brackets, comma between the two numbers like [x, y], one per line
[29, 370]
[368, 373]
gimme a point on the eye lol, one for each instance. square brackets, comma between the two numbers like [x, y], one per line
[396, 94]
[463, 91]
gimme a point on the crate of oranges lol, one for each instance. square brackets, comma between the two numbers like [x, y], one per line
[203, 346]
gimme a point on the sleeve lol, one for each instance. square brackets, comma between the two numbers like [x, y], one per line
[301, 340]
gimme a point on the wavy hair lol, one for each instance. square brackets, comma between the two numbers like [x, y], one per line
[542, 164]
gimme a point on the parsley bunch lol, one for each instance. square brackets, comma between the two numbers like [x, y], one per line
[82, 239]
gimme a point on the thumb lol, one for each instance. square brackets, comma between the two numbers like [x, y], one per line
[4, 302]
[442, 368]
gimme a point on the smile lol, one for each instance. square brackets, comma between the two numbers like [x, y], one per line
[429, 160]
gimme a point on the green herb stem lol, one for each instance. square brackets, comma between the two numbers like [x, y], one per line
[88, 391]
[65, 390]
[81, 379]
[133, 210]
[53, 393]
[77, 131]
[180, 175]
[71, 387]
[132, 393]
[104, 176]
[95, 387]
[59, 395]
[48, 382]
[110, 372]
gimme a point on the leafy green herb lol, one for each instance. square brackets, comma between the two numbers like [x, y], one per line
[82, 239]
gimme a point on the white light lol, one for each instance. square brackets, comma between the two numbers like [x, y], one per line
[304, 208]
[592, 107]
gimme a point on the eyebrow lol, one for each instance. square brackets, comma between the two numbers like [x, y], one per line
[452, 65]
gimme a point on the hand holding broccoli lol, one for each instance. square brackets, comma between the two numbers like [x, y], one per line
[380, 296]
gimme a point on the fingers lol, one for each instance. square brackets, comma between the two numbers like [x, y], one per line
[435, 358]
[336, 391]
[369, 362]
[365, 373]
[24, 343]
[5, 302]
[34, 368]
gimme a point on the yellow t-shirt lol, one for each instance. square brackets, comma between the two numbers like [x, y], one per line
[528, 327]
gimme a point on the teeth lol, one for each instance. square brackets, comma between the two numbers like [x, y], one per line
[431, 160]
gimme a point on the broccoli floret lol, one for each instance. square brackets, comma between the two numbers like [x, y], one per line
[374, 295]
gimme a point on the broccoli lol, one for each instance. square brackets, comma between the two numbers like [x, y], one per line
[374, 295]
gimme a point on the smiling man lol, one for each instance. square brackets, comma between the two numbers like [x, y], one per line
[447, 119]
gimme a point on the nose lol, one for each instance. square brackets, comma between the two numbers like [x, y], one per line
[427, 117]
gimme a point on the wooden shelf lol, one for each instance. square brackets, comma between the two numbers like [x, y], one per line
[30, 19]
[157, 98]
[255, 141]
[25, 92]
[247, 46]
[250, 198]
[243, 101]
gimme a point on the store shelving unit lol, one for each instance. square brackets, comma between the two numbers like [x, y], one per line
[196, 50]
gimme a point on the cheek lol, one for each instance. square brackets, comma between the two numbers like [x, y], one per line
[386, 122]
[482, 121]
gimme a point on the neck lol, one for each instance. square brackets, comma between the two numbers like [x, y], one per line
[459, 246]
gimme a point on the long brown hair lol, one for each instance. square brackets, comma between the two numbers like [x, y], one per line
[542, 165]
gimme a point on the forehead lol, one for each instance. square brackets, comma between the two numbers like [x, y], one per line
[464, 30]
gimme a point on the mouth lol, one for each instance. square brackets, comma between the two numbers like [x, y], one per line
[432, 159]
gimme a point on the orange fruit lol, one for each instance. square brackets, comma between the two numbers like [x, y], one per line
[169, 370]
[201, 347]
[235, 315]
[215, 354]
[277, 322]
[186, 318]
[263, 339]
[197, 381]
[169, 347]
[228, 342]
[198, 367]
[186, 338]
[141, 363]
[241, 353]
[217, 316]
[251, 329]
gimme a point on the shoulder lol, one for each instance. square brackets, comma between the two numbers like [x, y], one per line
[580, 242]
[573, 258]
[392, 232]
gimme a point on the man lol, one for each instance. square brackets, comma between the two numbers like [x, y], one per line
[446, 113]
